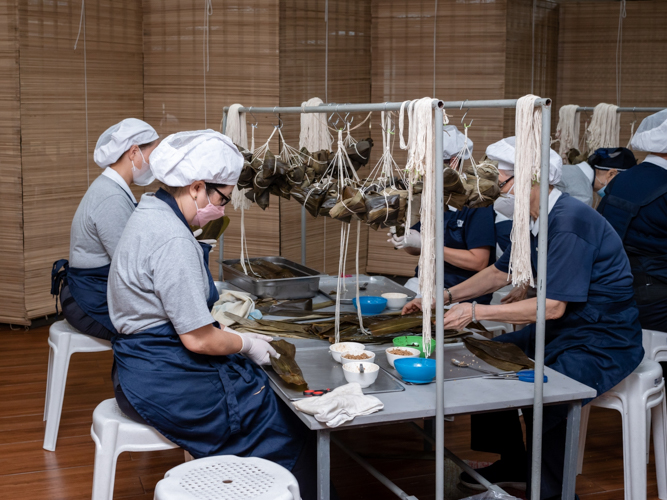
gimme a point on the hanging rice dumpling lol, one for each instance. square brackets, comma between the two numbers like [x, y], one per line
[360, 153]
[382, 209]
[286, 366]
[455, 190]
[504, 356]
[330, 200]
[246, 177]
[344, 209]
[259, 196]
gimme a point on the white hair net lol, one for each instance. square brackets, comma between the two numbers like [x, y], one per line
[452, 142]
[651, 136]
[200, 155]
[120, 137]
[504, 152]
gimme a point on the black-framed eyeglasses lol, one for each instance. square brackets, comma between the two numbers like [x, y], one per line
[500, 185]
[225, 199]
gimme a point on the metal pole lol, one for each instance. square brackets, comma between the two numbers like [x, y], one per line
[303, 235]
[541, 305]
[224, 118]
[221, 250]
[439, 312]
[625, 110]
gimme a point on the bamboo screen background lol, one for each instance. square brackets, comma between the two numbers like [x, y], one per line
[146, 60]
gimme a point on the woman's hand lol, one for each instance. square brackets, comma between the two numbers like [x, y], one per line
[413, 306]
[517, 294]
[458, 317]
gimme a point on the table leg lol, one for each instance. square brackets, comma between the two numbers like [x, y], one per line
[323, 465]
[571, 450]
[429, 428]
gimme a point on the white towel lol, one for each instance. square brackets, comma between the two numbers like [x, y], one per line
[340, 405]
[238, 303]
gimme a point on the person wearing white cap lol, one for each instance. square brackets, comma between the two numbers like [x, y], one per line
[196, 382]
[123, 151]
[592, 332]
[469, 233]
[635, 204]
[503, 153]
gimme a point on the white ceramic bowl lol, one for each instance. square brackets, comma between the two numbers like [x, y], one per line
[337, 349]
[395, 300]
[352, 373]
[415, 353]
[370, 359]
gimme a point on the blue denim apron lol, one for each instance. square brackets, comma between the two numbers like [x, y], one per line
[208, 405]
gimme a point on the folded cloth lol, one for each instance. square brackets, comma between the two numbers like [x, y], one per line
[340, 405]
[238, 303]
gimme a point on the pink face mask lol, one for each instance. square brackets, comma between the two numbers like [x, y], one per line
[208, 213]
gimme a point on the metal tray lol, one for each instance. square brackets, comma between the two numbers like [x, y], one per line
[304, 286]
[377, 285]
[322, 372]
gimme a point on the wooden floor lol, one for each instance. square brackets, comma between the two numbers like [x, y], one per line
[28, 472]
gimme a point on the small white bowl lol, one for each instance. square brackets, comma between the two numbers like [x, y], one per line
[337, 349]
[370, 359]
[352, 373]
[415, 353]
[395, 300]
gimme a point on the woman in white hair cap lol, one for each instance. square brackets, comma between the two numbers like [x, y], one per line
[592, 332]
[503, 153]
[469, 233]
[123, 151]
[635, 204]
[199, 384]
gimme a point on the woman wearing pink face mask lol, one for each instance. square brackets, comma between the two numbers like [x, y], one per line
[197, 383]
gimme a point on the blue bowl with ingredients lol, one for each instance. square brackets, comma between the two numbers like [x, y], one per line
[371, 306]
[416, 370]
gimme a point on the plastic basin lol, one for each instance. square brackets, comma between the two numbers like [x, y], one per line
[416, 370]
[413, 341]
[371, 305]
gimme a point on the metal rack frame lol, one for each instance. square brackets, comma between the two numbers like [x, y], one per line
[439, 107]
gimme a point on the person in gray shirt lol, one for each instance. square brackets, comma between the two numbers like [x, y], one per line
[123, 151]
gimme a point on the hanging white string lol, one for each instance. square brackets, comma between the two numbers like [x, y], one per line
[237, 129]
[567, 131]
[605, 128]
[359, 315]
[208, 11]
[314, 134]
[527, 165]
[82, 25]
[619, 51]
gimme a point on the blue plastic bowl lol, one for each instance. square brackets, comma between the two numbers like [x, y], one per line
[416, 370]
[371, 305]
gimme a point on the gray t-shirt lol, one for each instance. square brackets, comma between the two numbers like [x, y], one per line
[157, 274]
[98, 223]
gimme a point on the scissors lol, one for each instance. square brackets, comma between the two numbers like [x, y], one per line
[523, 376]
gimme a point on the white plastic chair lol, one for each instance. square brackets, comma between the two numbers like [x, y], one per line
[642, 390]
[113, 433]
[64, 340]
[228, 478]
[655, 345]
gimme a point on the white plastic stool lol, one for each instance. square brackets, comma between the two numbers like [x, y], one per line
[228, 478]
[113, 433]
[655, 345]
[64, 340]
[642, 390]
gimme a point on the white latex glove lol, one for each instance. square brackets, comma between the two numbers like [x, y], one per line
[412, 240]
[256, 347]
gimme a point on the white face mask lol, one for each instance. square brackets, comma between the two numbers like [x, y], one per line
[142, 176]
[504, 205]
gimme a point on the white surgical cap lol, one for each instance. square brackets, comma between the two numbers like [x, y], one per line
[651, 136]
[199, 155]
[504, 152]
[120, 137]
[452, 143]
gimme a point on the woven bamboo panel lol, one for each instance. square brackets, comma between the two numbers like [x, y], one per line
[242, 67]
[302, 76]
[470, 64]
[53, 119]
[12, 298]
[587, 52]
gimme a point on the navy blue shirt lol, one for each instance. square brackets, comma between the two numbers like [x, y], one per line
[466, 229]
[585, 257]
[503, 232]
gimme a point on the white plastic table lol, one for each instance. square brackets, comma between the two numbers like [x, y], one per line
[475, 395]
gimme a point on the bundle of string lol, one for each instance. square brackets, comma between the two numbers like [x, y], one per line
[605, 127]
[385, 172]
[528, 128]
[314, 135]
[237, 131]
[567, 131]
[459, 160]
[421, 165]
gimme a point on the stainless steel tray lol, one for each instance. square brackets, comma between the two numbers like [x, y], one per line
[322, 372]
[304, 286]
[377, 285]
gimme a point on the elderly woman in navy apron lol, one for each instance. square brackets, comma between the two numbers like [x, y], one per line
[469, 232]
[635, 204]
[592, 331]
[198, 384]
[123, 150]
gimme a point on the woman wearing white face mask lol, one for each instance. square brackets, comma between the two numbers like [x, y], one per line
[123, 150]
[503, 153]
